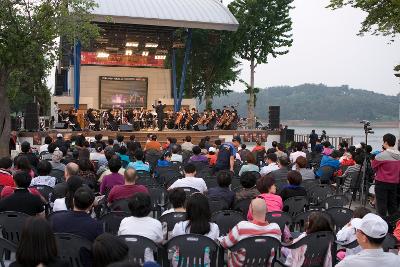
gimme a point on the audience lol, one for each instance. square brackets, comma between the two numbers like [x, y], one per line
[44, 169]
[109, 181]
[107, 249]
[250, 166]
[153, 144]
[26, 151]
[6, 178]
[177, 198]
[98, 154]
[244, 152]
[226, 155]
[283, 170]
[272, 158]
[139, 164]
[128, 188]
[56, 161]
[212, 156]
[60, 189]
[190, 180]
[300, 166]
[298, 153]
[222, 192]
[197, 156]
[165, 160]
[86, 172]
[331, 161]
[187, 144]
[66, 203]
[176, 157]
[47, 141]
[293, 189]
[249, 190]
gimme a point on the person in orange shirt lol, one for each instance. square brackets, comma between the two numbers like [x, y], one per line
[153, 144]
[212, 156]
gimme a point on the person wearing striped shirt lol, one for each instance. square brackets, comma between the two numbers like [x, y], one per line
[258, 226]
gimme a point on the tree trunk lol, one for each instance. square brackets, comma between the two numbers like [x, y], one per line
[251, 123]
[5, 121]
[208, 97]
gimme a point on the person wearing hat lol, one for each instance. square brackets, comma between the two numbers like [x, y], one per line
[371, 231]
[212, 156]
[226, 155]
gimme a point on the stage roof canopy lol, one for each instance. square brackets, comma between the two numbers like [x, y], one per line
[200, 14]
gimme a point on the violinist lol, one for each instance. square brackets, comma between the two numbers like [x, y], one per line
[91, 117]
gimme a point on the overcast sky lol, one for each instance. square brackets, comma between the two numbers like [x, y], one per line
[326, 49]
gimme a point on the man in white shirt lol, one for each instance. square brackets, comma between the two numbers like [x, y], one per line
[190, 180]
[175, 156]
[187, 145]
[272, 158]
[294, 155]
[47, 141]
[371, 231]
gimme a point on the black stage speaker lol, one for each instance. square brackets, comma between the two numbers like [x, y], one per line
[126, 128]
[31, 117]
[287, 135]
[274, 117]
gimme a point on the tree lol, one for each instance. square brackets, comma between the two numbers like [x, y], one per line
[264, 30]
[28, 46]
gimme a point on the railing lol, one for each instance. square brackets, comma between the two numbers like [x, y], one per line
[334, 140]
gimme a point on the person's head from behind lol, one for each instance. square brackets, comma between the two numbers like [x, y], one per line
[318, 222]
[371, 231]
[175, 149]
[326, 144]
[107, 249]
[198, 213]
[360, 212]
[259, 209]
[299, 146]
[85, 164]
[283, 162]
[258, 142]
[280, 147]
[250, 159]
[294, 178]
[139, 155]
[25, 147]
[120, 138]
[274, 144]
[22, 179]
[83, 199]
[154, 137]
[177, 197]
[140, 205]
[130, 176]
[71, 169]
[166, 156]
[266, 184]
[48, 140]
[389, 140]
[5, 163]
[301, 162]
[336, 154]
[44, 168]
[196, 150]
[23, 163]
[272, 158]
[114, 164]
[224, 178]
[190, 170]
[188, 138]
[217, 143]
[122, 150]
[73, 184]
[248, 180]
[37, 245]
[110, 141]
[99, 147]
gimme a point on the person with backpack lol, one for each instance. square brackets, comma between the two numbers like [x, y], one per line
[226, 155]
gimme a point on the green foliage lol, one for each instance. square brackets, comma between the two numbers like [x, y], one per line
[383, 16]
[318, 102]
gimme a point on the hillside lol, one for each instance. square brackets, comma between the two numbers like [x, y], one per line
[317, 102]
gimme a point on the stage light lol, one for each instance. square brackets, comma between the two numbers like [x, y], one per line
[132, 44]
[151, 45]
[102, 54]
[128, 52]
[162, 57]
[145, 53]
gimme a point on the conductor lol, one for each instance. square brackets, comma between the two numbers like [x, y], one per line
[160, 115]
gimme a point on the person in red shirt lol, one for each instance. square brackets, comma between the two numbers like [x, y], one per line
[212, 156]
[6, 178]
[128, 189]
[258, 147]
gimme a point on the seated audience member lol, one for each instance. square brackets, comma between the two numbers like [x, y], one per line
[273, 148]
[249, 191]
[346, 177]
[56, 161]
[44, 169]
[283, 170]
[66, 202]
[222, 191]
[104, 170]
[187, 144]
[107, 249]
[250, 166]
[6, 178]
[120, 140]
[86, 172]
[177, 198]
[346, 159]
[176, 157]
[24, 165]
[258, 146]
[212, 156]
[123, 156]
[20, 199]
[257, 227]
[327, 148]
[293, 189]
[197, 156]
[272, 158]
[317, 222]
[202, 146]
[153, 144]
[332, 161]
[139, 164]
[128, 189]
[300, 166]
[298, 153]
[371, 231]
[396, 231]
[26, 151]
[98, 154]
[190, 180]
[60, 189]
[347, 234]
[244, 152]
[48, 154]
[78, 221]
[280, 151]
[266, 186]
[198, 219]
[165, 160]
[37, 246]
[47, 141]
[140, 223]
[109, 181]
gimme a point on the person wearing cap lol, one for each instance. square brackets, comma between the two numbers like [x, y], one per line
[212, 156]
[227, 153]
[371, 231]
[60, 141]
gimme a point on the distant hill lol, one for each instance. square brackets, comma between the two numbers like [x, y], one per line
[317, 102]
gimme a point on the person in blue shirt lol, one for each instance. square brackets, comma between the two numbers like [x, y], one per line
[165, 160]
[139, 165]
[331, 161]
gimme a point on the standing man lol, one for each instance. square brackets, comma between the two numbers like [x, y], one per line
[160, 115]
[313, 140]
[387, 168]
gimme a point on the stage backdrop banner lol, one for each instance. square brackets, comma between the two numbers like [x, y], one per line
[126, 92]
[91, 58]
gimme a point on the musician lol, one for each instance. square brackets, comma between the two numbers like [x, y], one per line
[91, 116]
[195, 117]
[112, 125]
[160, 114]
[211, 120]
[72, 120]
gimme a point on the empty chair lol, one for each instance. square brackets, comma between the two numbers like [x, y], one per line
[340, 216]
[192, 249]
[211, 181]
[205, 171]
[217, 205]
[335, 201]
[120, 205]
[159, 199]
[308, 184]
[11, 224]
[73, 249]
[169, 220]
[259, 251]
[138, 246]
[295, 205]
[112, 220]
[6, 247]
[152, 156]
[242, 206]
[164, 175]
[318, 194]
[280, 218]
[226, 220]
